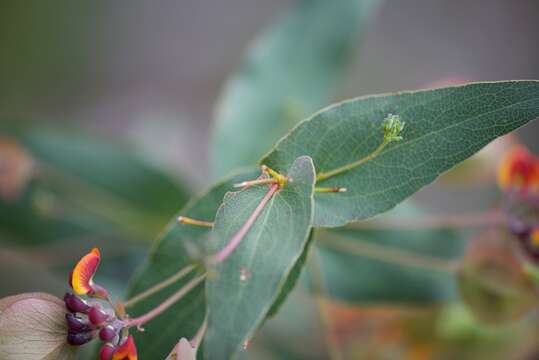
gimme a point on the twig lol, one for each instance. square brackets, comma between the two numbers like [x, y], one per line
[158, 287]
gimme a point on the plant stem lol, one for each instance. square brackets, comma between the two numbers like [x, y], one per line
[347, 167]
[236, 239]
[197, 339]
[250, 183]
[435, 221]
[390, 255]
[190, 221]
[158, 287]
[329, 189]
[141, 320]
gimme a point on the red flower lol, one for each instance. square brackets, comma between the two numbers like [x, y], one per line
[519, 171]
[81, 279]
[126, 351]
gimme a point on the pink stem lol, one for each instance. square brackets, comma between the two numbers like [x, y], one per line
[236, 239]
[197, 339]
[139, 321]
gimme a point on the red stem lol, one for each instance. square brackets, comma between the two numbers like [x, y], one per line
[139, 321]
[236, 239]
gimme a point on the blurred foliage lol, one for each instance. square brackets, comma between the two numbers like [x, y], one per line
[82, 185]
[390, 266]
[289, 72]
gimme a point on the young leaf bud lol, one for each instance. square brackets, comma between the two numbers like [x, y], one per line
[392, 126]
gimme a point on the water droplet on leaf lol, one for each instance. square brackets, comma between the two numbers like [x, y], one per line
[245, 274]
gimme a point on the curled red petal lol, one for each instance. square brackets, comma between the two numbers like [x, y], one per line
[126, 351]
[519, 170]
[82, 275]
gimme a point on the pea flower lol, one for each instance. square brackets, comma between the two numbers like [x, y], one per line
[126, 351]
[81, 278]
[519, 171]
[88, 319]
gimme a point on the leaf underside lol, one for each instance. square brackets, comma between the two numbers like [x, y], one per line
[266, 256]
[169, 254]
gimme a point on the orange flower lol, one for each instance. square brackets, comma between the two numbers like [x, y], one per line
[81, 279]
[519, 170]
[126, 351]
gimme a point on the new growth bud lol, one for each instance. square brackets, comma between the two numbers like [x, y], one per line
[392, 126]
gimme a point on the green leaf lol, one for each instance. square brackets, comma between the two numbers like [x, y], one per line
[289, 72]
[268, 253]
[443, 127]
[83, 185]
[291, 280]
[398, 266]
[171, 253]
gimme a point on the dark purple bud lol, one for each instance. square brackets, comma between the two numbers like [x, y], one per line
[77, 325]
[76, 304]
[79, 338]
[106, 352]
[519, 229]
[97, 316]
[107, 333]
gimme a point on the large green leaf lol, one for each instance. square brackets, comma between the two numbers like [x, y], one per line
[170, 254]
[85, 185]
[398, 266]
[246, 285]
[288, 73]
[443, 127]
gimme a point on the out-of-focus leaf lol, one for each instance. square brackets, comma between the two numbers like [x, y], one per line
[26, 274]
[171, 253]
[443, 127]
[32, 326]
[492, 279]
[237, 304]
[398, 266]
[83, 185]
[288, 73]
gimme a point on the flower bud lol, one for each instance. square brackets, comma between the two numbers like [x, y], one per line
[97, 316]
[78, 339]
[106, 351]
[76, 304]
[77, 325]
[107, 333]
